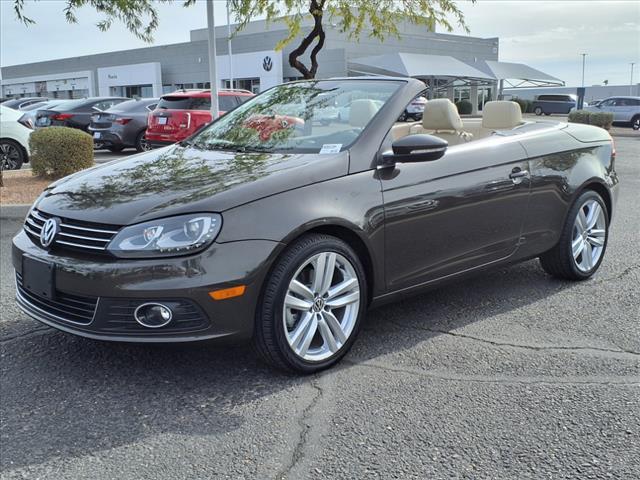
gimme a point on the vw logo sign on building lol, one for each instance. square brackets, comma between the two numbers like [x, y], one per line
[267, 63]
[49, 231]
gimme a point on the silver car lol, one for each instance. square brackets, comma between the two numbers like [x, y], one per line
[624, 109]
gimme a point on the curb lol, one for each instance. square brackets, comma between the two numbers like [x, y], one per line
[14, 212]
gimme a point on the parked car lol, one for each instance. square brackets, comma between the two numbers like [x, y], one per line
[123, 125]
[75, 113]
[22, 103]
[180, 114]
[414, 109]
[553, 103]
[625, 109]
[252, 231]
[14, 139]
[30, 113]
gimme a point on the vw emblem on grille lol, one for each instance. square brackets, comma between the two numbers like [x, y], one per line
[267, 63]
[49, 231]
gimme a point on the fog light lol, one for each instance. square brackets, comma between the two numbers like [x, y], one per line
[153, 315]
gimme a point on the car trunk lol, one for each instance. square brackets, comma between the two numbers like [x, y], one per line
[169, 122]
[46, 118]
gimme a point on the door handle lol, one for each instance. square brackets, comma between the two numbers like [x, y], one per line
[515, 174]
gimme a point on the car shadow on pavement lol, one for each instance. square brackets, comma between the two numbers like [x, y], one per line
[65, 396]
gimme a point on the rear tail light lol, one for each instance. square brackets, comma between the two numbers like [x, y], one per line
[122, 121]
[61, 116]
[27, 122]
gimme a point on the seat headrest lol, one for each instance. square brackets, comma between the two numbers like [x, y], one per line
[441, 114]
[361, 112]
[501, 114]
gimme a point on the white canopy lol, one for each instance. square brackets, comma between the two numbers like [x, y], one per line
[513, 73]
[417, 65]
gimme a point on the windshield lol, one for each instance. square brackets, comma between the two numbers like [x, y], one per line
[306, 117]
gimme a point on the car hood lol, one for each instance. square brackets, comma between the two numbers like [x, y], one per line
[176, 180]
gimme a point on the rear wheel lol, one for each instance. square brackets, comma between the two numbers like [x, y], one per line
[635, 122]
[12, 155]
[537, 111]
[583, 241]
[141, 142]
[312, 305]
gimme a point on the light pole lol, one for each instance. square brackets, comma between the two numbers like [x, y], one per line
[631, 81]
[229, 48]
[584, 55]
[211, 30]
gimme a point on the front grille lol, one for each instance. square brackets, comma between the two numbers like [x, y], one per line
[64, 308]
[74, 234]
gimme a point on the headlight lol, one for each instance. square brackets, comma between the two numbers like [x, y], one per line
[167, 237]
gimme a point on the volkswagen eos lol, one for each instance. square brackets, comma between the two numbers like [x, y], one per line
[272, 227]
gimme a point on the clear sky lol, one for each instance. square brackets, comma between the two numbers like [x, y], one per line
[548, 35]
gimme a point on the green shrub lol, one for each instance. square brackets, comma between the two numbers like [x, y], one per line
[579, 116]
[599, 119]
[60, 151]
[522, 103]
[464, 107]
[525, 105]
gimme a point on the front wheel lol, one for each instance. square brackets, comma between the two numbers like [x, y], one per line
[12, 155]
[312, 305]
[583, 240]
[635, 123]
[537, 111]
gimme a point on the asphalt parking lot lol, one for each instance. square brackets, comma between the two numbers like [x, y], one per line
[508, 375]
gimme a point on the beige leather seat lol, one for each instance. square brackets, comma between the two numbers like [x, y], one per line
[501, 115]
[361, 112]
[441, 118]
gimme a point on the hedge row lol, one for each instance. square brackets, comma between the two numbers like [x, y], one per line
[60, 151]
[599, 119]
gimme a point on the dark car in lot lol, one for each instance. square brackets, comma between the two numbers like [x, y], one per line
[123, 125]
[75, 113]
[23, 102]
[549, 104]
[180, 114]
[284, 232]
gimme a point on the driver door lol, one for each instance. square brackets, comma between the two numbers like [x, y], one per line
[456, 213]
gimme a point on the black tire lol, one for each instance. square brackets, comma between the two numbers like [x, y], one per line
[12, 155]
[141, 142]
[559, 261]
[269, 338]
[115, 149]
[635, 122]
[538, 111]
[402, 117]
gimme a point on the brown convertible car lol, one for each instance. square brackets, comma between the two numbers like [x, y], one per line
[271, 226]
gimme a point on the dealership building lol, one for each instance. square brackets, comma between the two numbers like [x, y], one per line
[457, 66]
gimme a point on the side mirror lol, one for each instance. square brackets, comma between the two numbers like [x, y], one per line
[415, 148]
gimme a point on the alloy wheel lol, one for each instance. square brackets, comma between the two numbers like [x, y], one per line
[636, 123]
[589, 235]
[144, 144]
[9, 156]
[321, 306]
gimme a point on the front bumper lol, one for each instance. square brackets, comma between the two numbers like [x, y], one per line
[117, 287]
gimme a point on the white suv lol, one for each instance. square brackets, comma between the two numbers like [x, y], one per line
[14, 139]
[624, 109]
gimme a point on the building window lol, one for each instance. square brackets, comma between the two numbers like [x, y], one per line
[251, 84]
